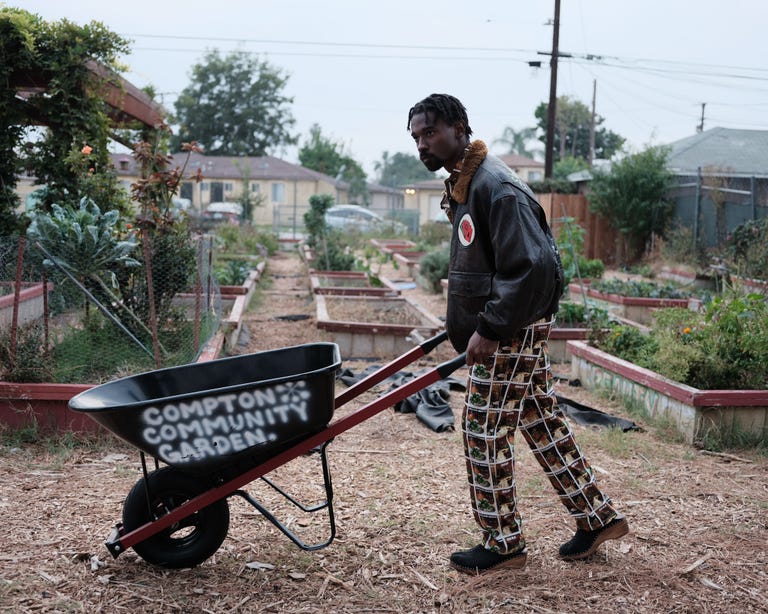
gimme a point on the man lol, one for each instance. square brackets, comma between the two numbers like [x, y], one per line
[504, 285]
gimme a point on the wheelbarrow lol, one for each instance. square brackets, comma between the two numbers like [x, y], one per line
[220, 425]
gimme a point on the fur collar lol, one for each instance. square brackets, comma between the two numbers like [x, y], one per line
[475, 154]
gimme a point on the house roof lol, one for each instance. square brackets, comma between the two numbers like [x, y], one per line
[740, 152]
[514, 161]
[232, 167]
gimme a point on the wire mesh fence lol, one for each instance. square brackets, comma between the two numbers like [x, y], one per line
[70, 315]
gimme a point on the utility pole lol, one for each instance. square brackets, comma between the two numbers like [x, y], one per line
[592, 125]
[550, 141]
[700, 127]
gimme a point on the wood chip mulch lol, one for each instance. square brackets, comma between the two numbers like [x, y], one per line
[698, 541]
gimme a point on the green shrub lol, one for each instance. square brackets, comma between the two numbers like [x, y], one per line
[747, 249]
[570, 243]
[31, 362]
[592, 269]
[433, 267]
[579, 315]
[434, 233]
[639, 288]
[232, 272]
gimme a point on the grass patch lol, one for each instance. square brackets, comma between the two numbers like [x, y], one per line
[100, 351]
[719, 439]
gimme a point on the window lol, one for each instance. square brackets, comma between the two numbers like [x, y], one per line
[278, 192]
[228, 187]
[255, 187]
[535, 175]
[203, 186]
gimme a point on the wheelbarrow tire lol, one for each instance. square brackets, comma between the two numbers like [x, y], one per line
[190, 541]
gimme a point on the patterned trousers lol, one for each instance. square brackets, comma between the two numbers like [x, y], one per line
[514, 387]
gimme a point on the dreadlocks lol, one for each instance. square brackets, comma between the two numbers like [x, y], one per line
[442, 106]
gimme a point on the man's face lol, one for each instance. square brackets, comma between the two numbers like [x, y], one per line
[440, 145]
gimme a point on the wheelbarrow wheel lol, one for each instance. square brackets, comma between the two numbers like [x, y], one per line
[184, 544]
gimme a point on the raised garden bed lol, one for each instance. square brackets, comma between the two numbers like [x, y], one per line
[390, 246]
[746, 284]
[410, 260]
[373, 327]
[44, 405]
[349, 283]
[696, 413]
[31, 301]
[634, 308]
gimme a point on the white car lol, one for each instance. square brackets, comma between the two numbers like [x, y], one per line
[349, 217]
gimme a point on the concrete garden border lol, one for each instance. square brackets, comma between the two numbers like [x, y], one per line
[31, 303]
[635, 308]
[375, 339]
[349, 283]
[695, 412]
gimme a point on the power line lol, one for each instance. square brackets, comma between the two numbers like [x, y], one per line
[596, 57]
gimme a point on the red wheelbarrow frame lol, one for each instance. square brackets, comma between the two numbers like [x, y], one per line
[120, 540]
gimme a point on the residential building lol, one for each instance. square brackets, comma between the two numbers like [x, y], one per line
[425, 196]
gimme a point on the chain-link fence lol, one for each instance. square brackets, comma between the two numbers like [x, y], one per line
[70, 313]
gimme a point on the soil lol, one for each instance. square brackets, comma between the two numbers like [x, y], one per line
[698, 541]
[377, 310]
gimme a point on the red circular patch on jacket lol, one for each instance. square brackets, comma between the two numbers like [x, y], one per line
[466, 230]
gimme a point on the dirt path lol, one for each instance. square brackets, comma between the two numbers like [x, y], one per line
[698, 542]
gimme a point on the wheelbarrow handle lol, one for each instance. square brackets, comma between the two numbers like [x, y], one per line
[425, 347]
[449, 366]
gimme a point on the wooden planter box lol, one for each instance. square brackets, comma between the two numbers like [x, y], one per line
[695, 412]
[31, 303]
[349, 283]
[380, 337]
[634, 308]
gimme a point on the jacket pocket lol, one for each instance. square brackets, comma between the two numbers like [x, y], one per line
[469, 285]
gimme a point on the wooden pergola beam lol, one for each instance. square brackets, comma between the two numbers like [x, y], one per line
[127, 103]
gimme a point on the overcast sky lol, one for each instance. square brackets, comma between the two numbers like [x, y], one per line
[356, 66]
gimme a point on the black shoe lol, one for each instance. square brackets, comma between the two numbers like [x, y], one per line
[584, 543]
[478, 560]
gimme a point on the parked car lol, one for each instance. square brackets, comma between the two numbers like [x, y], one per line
[223, 212]
[350, 217]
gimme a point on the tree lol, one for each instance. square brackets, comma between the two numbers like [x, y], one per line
[517, 141]
[235, 107]
[400, 169]
[326, 156]
[566, 166]
[632, 198]
[572, 121]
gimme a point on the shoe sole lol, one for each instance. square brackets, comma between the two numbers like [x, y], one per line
[516, 562]
[615, 531]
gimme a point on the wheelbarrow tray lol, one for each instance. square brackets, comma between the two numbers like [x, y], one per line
[201, 417]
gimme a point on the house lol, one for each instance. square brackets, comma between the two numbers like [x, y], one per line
[721, 181]
[528, 169]
[280, 186]
[425, 196]
[735, 152]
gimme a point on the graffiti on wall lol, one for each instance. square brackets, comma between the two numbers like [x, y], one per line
[224, 424]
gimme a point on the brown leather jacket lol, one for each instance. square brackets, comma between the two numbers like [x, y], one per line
[505, 270]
